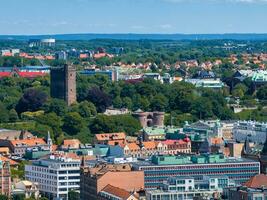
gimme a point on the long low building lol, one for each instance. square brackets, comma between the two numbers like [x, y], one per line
[161, 167]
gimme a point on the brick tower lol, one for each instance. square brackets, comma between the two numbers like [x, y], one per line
[63, 83]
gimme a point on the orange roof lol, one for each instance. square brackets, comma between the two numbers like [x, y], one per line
[72, 143]
[54, 147]
[216, 140]
[84, 55]
[133, 146]
[150, 144]
[110, 136]
[257, 181]
[28, 142]
[49, 57]
[11, 162]
[100, 55]
[172, 142]
[117, 192]
[74, 156]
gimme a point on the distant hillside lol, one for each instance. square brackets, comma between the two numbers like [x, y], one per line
[140, 36]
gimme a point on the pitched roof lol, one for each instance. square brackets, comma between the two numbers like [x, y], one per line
[117, 192]
[132, 146]
[71, 143]
[150, 144]
[257, 181]
[110, 136]
[172, 142]
[11, 162]
[28, 142]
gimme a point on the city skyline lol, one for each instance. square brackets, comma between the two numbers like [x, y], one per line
[133, 16]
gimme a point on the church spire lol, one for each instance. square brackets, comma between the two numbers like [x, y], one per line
[49, 142]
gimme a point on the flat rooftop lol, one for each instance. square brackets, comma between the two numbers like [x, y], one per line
[190, 160]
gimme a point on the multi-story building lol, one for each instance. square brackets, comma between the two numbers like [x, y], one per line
[149, 148]
[190, 187]
[56, 175]
[110, 138]
[47, 42]
[164, 166]
[63, 83]
[255, 131]
[206, 83]
[253, 189]
[19, 147]
[111, 192]
[5, 178]
[95, 179]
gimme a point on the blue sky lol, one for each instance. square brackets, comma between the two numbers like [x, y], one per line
[132, 16]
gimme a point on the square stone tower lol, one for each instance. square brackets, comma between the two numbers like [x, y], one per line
[63, 83]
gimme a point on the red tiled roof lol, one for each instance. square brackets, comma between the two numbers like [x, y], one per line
[5, 74]
[31, 74]
[28, 142]
[110, 136]
[72, 143]
[257, 181]
[100, 55]
[11, 162]
[117, 192]
[171, 142]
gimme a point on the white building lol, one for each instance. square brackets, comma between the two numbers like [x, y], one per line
[56, 176]
[254, 131]
[215, 83]
[28, 188]
[188, 188]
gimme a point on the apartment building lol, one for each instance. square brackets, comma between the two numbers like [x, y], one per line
[56, 175]
[164, 166]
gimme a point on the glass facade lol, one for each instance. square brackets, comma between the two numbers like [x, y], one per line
[240, 172]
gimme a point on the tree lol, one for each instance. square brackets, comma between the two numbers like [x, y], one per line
[239, 90]
[3, 197]
[99, 98]
[49, 121]
[43, 198]
[159, 103]
[262, 93]
[57, 106]
[18, 197]
[13, 116]
[127, 103]
[202, 108]
[109, 124]
[117, 102]
[4, 116]
[87, 109]
[73, 123]
[32, 100]
[73, 195]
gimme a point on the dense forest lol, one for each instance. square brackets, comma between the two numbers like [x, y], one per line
[26, 104]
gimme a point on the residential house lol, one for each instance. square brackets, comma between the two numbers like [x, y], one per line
[110, 138]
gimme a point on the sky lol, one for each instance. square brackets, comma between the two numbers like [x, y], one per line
[33, 17]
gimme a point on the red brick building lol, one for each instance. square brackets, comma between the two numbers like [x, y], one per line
[93, 180]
